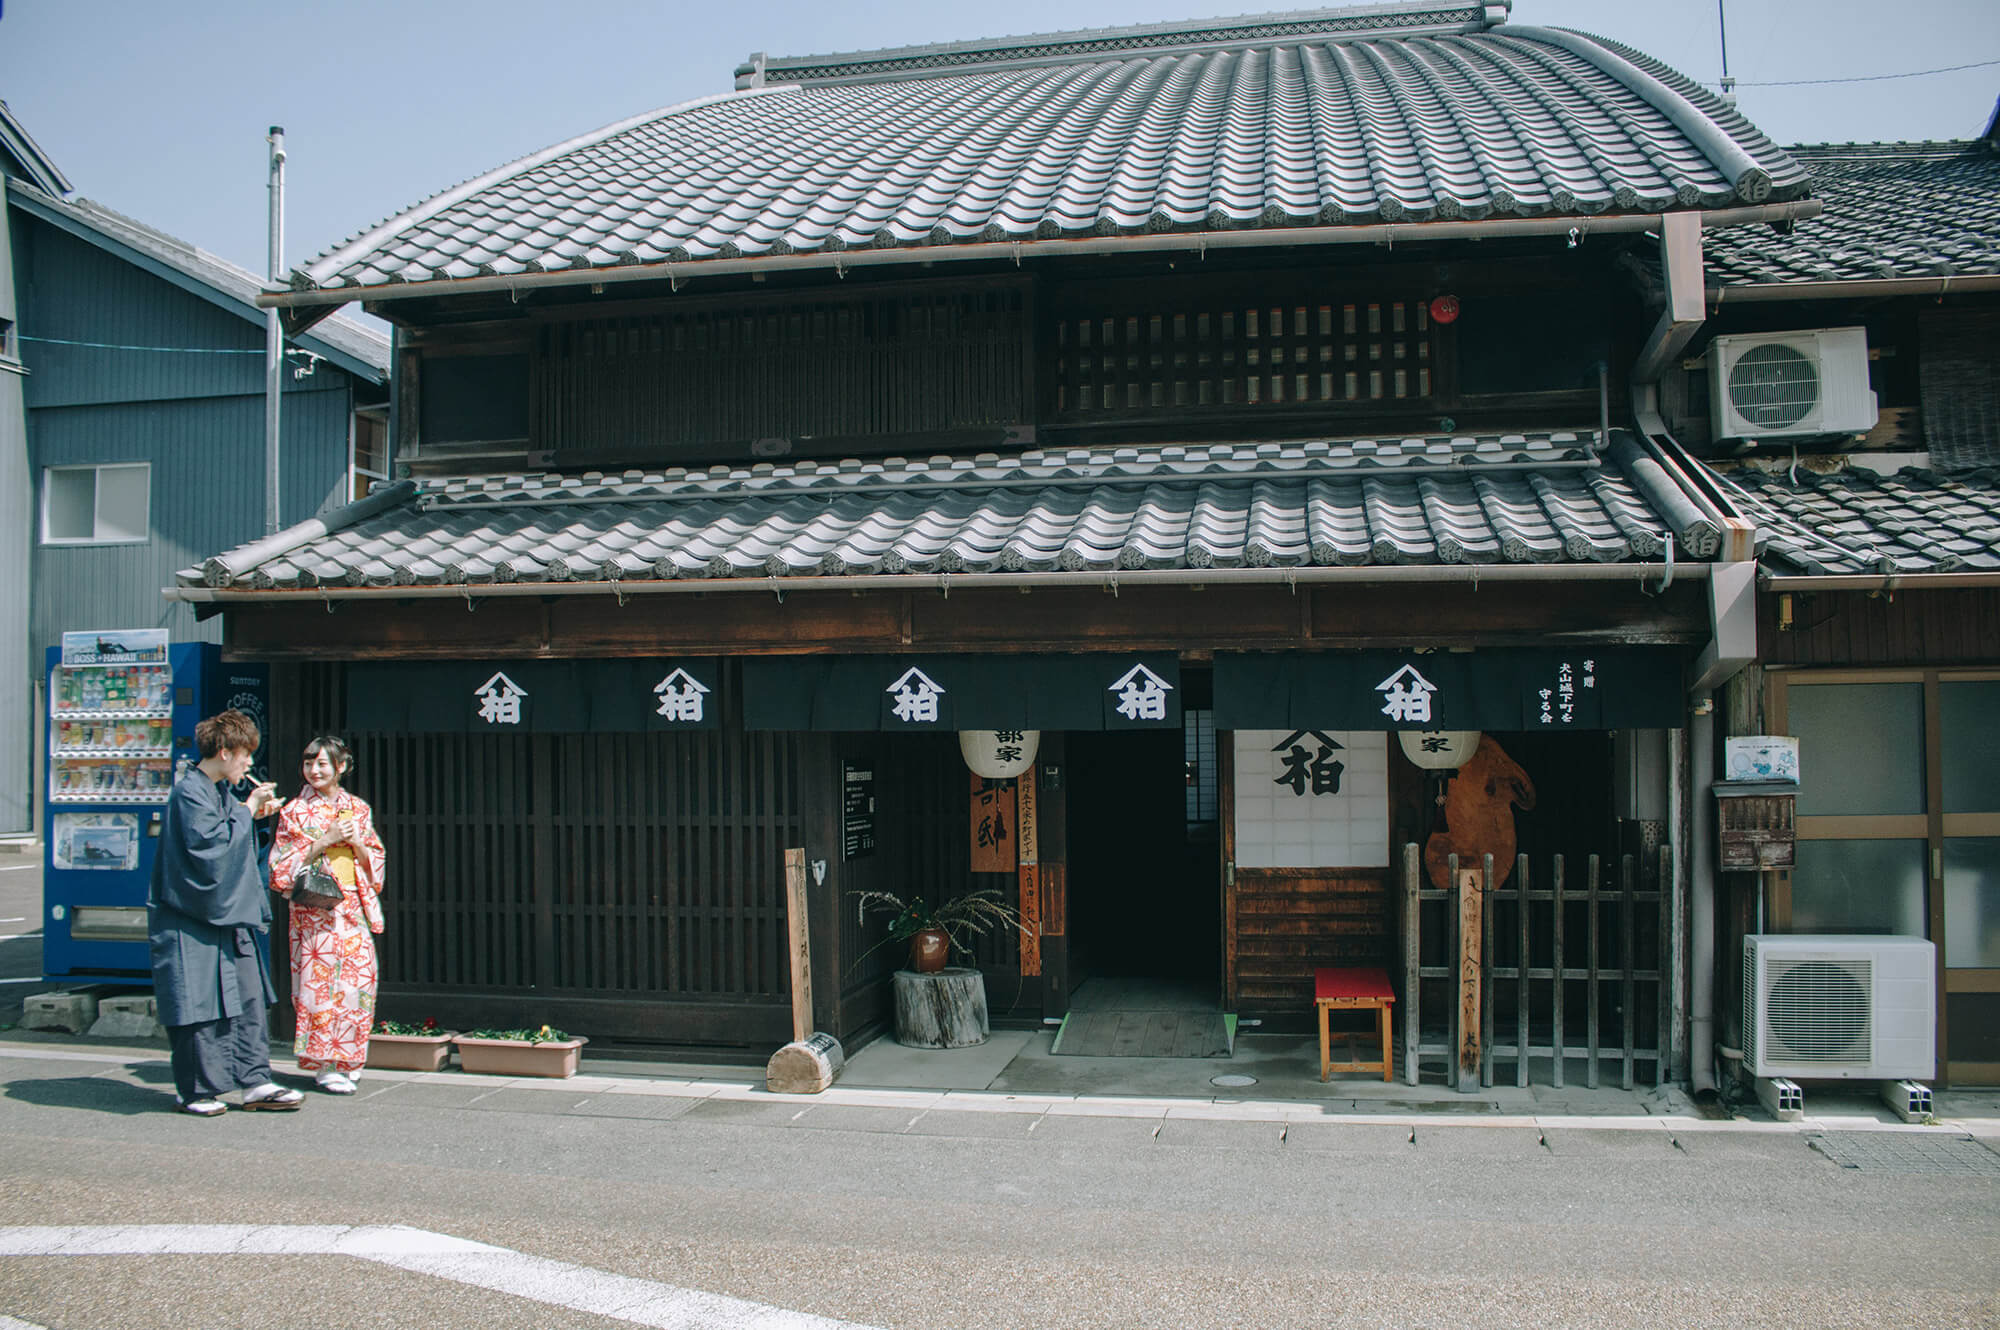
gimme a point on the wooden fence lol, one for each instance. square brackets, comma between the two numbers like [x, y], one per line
[1574, 972]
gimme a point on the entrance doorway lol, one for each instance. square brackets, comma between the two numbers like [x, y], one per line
[1145, 900]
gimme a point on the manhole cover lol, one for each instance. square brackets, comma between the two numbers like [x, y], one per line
[1232, 1081]
[1907, 1152]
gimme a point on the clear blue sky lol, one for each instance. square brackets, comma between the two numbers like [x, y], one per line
[158, 107]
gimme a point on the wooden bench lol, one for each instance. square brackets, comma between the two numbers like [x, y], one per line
[1353, 988]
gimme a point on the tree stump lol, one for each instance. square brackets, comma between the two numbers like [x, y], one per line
[805, 1066]
[942, 1010]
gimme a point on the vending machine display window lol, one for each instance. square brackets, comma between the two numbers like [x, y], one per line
[106, 842]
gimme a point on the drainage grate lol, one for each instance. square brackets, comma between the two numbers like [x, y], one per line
[1907, 1152]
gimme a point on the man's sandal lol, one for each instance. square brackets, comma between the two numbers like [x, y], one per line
[271, 1097]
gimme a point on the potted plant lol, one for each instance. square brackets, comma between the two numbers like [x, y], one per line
[937, 1007]
[934, 931]
[401, 1046]
[543, 1052]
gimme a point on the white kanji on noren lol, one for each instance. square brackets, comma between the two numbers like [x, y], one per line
[680, 696]
[500, 700]
[1142, 694]
[916, 696]
[1408, 695]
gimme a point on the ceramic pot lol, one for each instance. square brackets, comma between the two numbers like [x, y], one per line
[929, 948]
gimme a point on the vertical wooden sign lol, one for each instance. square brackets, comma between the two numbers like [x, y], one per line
[1471, 932]
[993, 829]
[1026, 819]
[795, 919]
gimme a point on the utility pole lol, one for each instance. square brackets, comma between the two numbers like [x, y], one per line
[274, 333]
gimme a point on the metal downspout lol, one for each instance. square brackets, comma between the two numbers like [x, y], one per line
[1701, 902]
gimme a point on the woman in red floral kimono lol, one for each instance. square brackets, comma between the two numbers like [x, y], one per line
[333, 956]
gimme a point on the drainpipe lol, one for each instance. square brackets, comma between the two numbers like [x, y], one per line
[1732, 644]
[1701, 901]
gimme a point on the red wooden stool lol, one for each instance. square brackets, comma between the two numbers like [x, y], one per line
[1353, 988]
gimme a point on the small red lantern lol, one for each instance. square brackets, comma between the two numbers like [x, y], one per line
[1444, 309]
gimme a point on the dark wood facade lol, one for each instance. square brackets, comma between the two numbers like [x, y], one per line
[631, 886]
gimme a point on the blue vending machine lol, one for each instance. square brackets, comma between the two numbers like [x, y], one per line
[122, 711]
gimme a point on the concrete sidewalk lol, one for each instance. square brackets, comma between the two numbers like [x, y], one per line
[1014, 1073]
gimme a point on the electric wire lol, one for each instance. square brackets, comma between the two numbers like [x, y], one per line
[1861, 78]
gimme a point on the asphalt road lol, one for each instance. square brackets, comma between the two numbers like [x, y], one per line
[900, 1217]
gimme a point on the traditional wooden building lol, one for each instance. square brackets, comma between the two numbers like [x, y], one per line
[1231, 404]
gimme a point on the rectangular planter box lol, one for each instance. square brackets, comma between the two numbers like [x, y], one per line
[511, 1057]
[409, 1052]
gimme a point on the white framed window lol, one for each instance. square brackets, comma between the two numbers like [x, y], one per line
[97, 505]
[368, 463]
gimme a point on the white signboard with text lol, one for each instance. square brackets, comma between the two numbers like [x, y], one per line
[1312, 799]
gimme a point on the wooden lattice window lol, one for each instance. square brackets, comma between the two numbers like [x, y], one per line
[1242, 356]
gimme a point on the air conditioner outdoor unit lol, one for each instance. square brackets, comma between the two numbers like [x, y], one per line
[1783, 385]
[1839, 1007]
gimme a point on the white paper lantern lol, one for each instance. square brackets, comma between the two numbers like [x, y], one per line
[999, 754]
[1439, 750]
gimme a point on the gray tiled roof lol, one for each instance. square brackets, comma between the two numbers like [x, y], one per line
[1851, 521]
[1889, 210]
[1320, 123]
[1517, 499]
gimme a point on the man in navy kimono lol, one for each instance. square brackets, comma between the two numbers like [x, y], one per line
[210, 917]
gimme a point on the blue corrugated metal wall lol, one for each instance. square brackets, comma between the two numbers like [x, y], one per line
[198, 419]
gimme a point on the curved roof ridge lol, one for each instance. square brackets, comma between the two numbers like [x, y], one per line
[1752, 181]
[1412, 18]
[331, 260]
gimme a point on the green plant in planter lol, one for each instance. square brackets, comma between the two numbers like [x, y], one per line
[547, 1034]
[960, 918]
[427, 1029]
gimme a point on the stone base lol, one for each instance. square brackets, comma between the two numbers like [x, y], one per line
[135, 1016]
[73, 1011]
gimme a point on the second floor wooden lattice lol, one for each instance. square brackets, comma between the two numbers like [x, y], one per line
[816, 374]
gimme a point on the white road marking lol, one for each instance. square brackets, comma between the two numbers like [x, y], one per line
[556, 1283]
[17, 919]
[35, 980]
[9, 937]
[17, 868]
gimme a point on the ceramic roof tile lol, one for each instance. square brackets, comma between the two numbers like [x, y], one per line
[1890, 210]
[1328, 117]
[1218, 506]
[1851, 522]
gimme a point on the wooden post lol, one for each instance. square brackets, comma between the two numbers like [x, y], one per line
[1413, 869]
[1471, 935]
[1027, 840]
[795, 921]
[811, 1061]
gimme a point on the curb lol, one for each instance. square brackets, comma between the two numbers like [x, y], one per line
[750, 1090]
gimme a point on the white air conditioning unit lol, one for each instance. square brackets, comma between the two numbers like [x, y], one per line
[1783, 385]
[1839, 1007]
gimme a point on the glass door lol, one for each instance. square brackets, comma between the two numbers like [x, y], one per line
[1899, 831]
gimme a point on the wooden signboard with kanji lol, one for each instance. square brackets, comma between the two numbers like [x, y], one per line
[993, 828]
[1027, 838]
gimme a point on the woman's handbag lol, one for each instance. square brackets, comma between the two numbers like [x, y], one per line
[316, 886]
